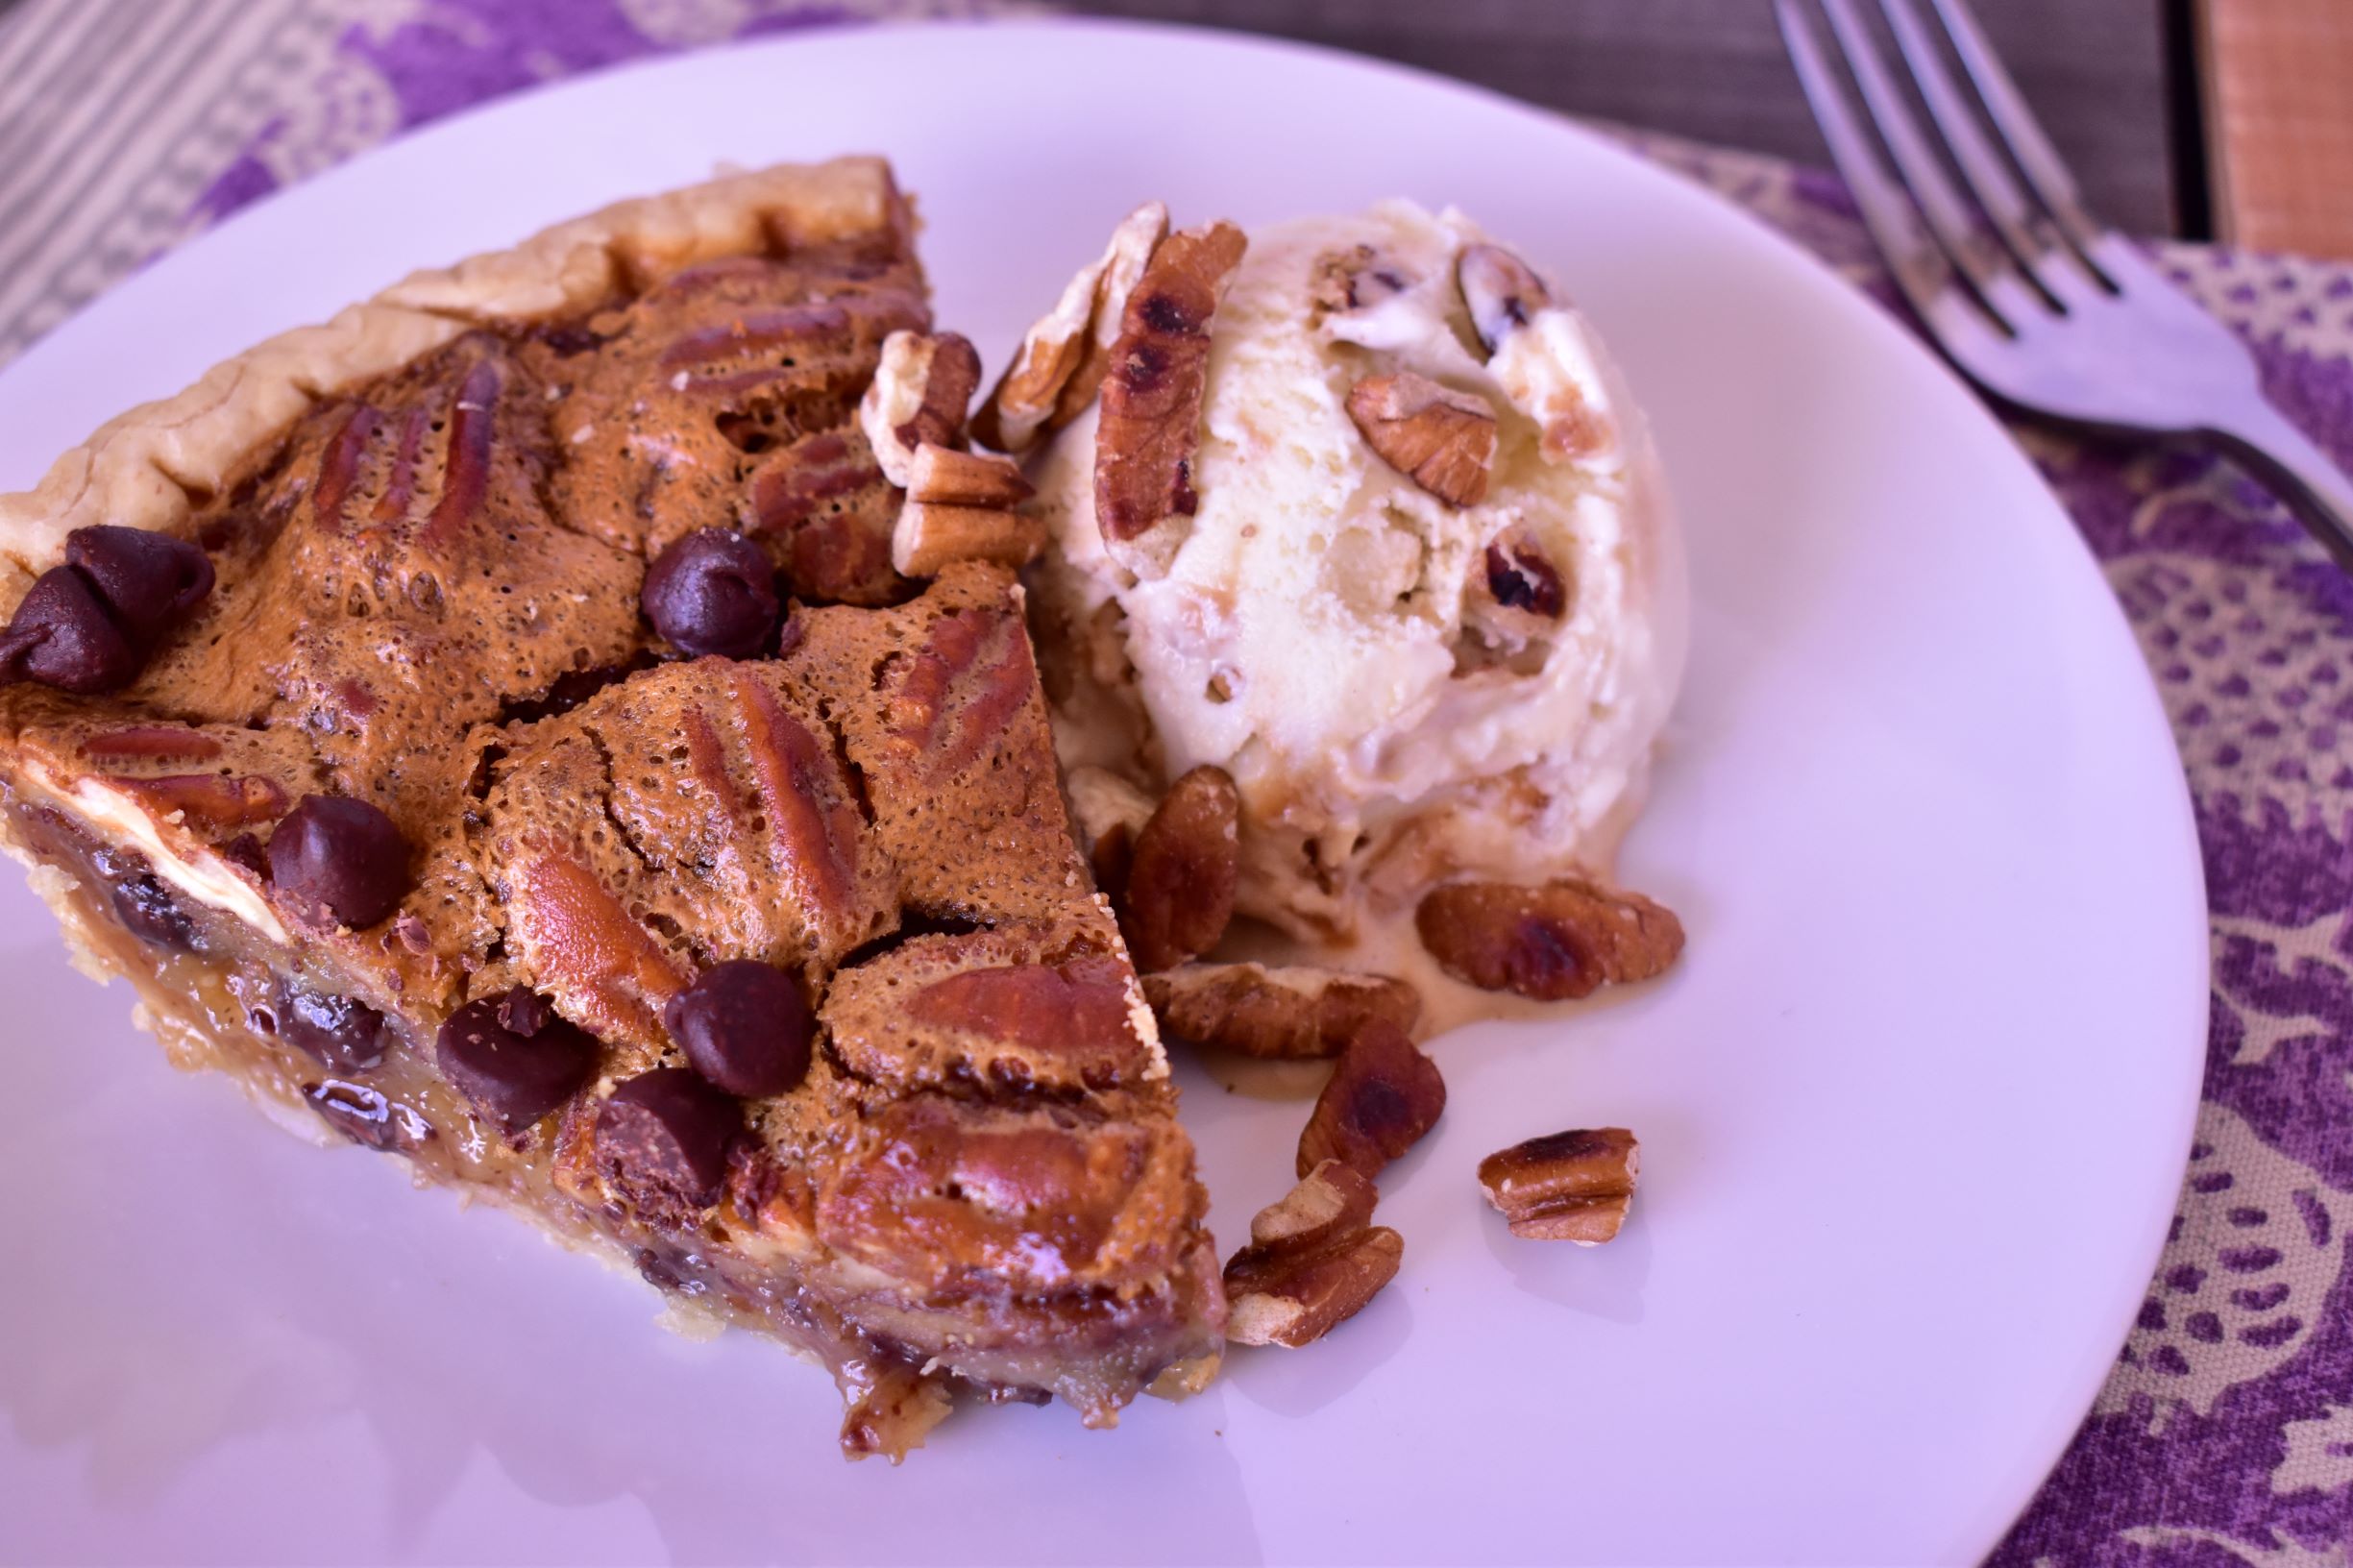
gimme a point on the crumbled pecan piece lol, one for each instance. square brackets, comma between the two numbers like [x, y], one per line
[1108, 812]
[1565, 1187]
[1288, 1012]
[960, 508]
[889, 1408]
[1500, 290]
[1314, 1260]
[1441, 439]
[928, 536]
[1521, 576]
[1152, 397]
[1178, 892]
[1056, 372]
[1354, 278]
[1553, 942]
[917, 398]
[1380, 1100]
[943, 475]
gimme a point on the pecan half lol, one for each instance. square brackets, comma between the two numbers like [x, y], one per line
[943, 475]
[1500, 290]
[1182, 872]
[1381, 1098]
[1441, 439]
[1288, 1012]
[1313, 1262]
[919, 395]
[1152, 397]
[1056, 372]
[1565, 1187]
[1553, 942]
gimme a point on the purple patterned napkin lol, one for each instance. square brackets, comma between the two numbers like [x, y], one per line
[2225, 1433]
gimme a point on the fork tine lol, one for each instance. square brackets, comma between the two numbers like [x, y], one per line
[1951, 218]
[1919, 268]
[2052, 268]
[2014, 123]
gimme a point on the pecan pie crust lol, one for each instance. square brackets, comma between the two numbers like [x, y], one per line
[430, 522]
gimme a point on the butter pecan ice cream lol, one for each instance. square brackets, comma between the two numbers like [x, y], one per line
[1411, 578]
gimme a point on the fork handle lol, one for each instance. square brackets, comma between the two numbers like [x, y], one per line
[2265, 441]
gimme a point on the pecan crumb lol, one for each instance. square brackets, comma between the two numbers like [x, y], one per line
[1314, 1260]
[1521, 576]
[1150, 427]
[918, 397]
[1286, 1013]
[1380, 1100]
[1182, 870]
[1441, 439]
[1552, 941]
[1056, 372]
[1565, 1187]
[1354, 278]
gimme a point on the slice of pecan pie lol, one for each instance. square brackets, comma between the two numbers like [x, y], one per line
[492, 723]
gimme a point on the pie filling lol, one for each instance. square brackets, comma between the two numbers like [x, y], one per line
[429, 824]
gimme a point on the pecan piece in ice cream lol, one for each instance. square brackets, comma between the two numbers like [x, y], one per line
[1565, 1187]
[1313, 1262]
[1553, 942]
[1150, 427]
[1380, 1100]
[1283, 1013]
[1056, 372]
[1441, 439]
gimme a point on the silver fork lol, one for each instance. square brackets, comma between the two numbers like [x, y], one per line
[2046, 310]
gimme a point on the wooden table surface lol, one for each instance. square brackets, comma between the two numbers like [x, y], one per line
[2094, 69]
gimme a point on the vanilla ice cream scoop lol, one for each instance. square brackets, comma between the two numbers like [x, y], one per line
[1428, 606]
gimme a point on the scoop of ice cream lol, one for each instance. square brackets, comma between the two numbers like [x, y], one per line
[1428, 610]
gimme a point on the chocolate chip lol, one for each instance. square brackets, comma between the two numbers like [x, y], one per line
[61, 636]
[148, 579]
[713, 592]
[147, 910]
[365, 1117]
[512, 1058]
[662, 1142]
[744, 1026]
[336, 1031]
[339, 860]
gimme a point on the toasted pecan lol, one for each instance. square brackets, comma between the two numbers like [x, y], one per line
[1442, 440]
[917, 398]
[1057, 370]
[1182, 874]
[1552, 941]
[1565, 1187]
[1313, 1262]
[1285, 1013]
[1150, 427]
[1354, 278]
[1380, 1100]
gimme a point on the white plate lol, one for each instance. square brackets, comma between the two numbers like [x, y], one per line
[1913, 1109]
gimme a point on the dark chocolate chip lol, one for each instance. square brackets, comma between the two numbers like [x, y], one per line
[745, 1026]
[148, 579]
[336, 1031]
[662, 1141]
[148, 910]
[713, 592]
[63, 636]
[365, 1117]
[512, 1058]
[339, 860]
